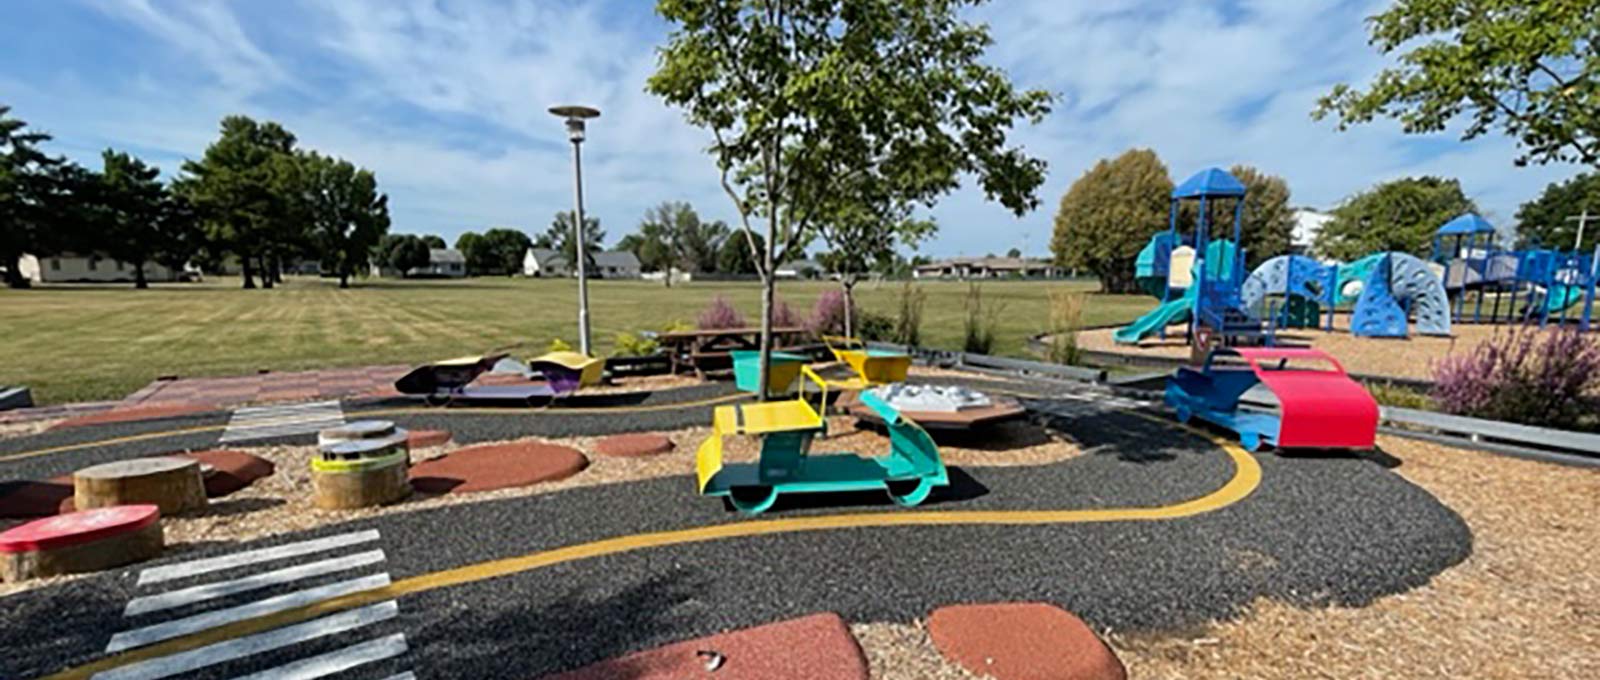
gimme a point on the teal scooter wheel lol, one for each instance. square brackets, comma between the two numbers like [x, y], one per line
[910, 492]
[1251, 441]
[752, 500]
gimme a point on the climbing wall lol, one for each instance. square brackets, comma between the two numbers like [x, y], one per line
[1401, 277]
[1412, 279]
[1300, 275]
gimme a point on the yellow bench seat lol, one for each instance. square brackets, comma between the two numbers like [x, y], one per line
[767, 417]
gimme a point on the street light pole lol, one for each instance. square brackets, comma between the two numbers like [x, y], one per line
[1582, 220]
[575, 117]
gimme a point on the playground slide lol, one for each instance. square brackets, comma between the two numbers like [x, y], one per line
[1563, 296]
[1174, 311]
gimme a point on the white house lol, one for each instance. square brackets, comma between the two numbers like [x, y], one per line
[446, 262]
[799, 269]
[986, 268]
[544, 262]
[1307, 224]
[75, 268]
[616, 264]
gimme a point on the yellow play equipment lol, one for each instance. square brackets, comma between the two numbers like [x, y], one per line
[909, 473]
[589, 370]
[872, 367]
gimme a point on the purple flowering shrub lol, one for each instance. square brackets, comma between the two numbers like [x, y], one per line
[827, 315]
[783, 316]
[1528, 376]
[718, 315]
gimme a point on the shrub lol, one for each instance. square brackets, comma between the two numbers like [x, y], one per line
[558, 345]
[908, 319]
[1526, 376]
[1066, 317]
[784, 317]
[635, 345]
[720, 314]
[827, 315]
[982, 318]
[873, 326]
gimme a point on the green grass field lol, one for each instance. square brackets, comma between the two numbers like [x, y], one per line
[75, 343]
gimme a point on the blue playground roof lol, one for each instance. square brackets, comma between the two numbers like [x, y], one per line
[1209, 182]
[1466, 224]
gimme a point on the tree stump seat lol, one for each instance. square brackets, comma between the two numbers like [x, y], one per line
[173, 483]
[87, 540]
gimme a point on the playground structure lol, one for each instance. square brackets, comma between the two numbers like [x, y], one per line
[1317, 408]
[872, 367]
[1387, 290]
[1206, 293]
[444, 382]
[1517, 286]
[909, 473]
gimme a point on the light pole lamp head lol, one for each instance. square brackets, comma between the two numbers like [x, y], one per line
[575, 116]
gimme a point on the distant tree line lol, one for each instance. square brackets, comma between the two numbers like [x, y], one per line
[253, 197]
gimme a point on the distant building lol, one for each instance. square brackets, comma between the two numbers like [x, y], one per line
[986, 268]
[799, 269]
[539, 262]
[615, 264]
[75, 268]
[1307, 224]
[445, 262]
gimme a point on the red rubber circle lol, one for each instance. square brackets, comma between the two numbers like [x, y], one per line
[76, 528]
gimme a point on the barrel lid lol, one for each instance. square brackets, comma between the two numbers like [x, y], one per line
[357, 448]
[77, 528]
[360, 429]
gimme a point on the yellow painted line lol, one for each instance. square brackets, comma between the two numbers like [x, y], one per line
[410, 410]
[1246, 477]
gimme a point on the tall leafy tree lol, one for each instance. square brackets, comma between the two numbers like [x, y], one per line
[863, 226]
[131, 201]
[1401, 215]
[28, 180]
[1267, 222]
[243, 189]
[1109, 214]
[433, 241]
[347, 214]
[480, 260]
[1545, 221]
[401, 252]
[803, 98]
[561, 237]
[673, 235]
[1530, 69]
[504, 249]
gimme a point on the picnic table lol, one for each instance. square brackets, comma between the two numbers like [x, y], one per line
[702, 350]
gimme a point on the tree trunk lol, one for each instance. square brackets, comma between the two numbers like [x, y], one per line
[266, 272]
[139, 281]
[246, 269]
[13, 263]
[849, 286]
[344, 279]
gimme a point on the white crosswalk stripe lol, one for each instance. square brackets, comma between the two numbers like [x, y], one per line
[248, 557]
[260, 422]
[201, 593]
[274, 568]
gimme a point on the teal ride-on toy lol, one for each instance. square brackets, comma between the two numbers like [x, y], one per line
[909, 473]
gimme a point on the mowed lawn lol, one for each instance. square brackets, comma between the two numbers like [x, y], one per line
[91, 342]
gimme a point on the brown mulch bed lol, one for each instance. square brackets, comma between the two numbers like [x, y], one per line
[1411, 357]
[1525, 604]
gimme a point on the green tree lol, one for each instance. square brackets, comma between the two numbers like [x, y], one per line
[1267, 222]
[1527, 68]
[737, 255]
[1545, 221]
[560, 237]
[802, 99]
[673, 235]
[1109, 214]
[433, 241]
[27, 181]
[129, 202]
[1401, 215]
[245, 191]
[1014, 253]
[347, 214]
[504, 249]
[401, 253]
[472, 246]
[863, 229]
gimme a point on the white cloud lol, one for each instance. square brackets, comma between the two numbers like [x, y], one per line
[446, 102]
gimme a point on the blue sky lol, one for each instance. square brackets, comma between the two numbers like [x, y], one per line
[446, 101]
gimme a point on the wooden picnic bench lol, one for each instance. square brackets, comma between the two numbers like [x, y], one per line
[702, 350]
